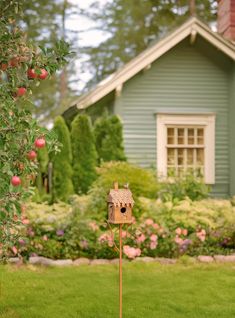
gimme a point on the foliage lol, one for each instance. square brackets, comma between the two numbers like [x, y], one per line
[45, 24]
[84, 153]
[62, 186]
[188, 228]
[142, 182]
[109, 139]
[18, 129]
[183, 187]
[130, 27]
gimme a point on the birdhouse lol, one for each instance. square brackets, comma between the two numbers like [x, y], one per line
[120, 205]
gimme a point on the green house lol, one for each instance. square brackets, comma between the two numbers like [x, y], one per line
[176, 101]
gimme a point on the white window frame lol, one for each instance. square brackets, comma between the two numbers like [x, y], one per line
[205, 120]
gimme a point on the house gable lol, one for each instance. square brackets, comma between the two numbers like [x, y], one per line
[185, 80]
[115, 81]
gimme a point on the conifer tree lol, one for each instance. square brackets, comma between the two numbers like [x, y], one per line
[109, 139]
[132, 25]
[84, 153]
[62, 186]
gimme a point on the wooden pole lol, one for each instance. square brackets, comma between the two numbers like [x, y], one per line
[120, 270]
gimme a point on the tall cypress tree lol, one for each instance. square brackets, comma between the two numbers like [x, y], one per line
[84, 153]
[109, 139]
[62, 186]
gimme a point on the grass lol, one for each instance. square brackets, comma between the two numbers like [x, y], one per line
[150, 291]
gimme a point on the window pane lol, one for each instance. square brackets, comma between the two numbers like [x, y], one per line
[200, 136]
[191, 136]
[200, 156]
[170, 136]
[190, 156]
[180, 136]
[170, 156]
[180, 157]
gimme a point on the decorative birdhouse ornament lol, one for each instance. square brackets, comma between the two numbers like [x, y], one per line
[120, 205]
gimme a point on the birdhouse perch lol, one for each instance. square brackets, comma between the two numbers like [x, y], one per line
[120, 205]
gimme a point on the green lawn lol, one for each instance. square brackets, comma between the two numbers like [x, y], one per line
[150, 291]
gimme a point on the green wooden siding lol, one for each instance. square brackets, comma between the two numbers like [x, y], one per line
[188, 79]
[232, 132]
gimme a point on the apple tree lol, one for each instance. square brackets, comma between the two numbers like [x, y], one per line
[22, 65]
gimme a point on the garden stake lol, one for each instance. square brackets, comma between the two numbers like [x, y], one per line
[120, 204]
[120, 270]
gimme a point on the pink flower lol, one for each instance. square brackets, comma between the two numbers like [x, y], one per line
[25, 221]
[203, 232]
[149, 222]
[155, 226]
[124, 234]
[14, 249]
[94, 226]
[201, 235]
[153, 245]
[131, 252]
[21, 242]
[184, 232]
[103, 238]
[45, 238]
[140, 239]
[178, 240]
[153, 237]
[178, 231]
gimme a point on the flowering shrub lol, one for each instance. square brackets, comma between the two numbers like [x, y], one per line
[64, 231]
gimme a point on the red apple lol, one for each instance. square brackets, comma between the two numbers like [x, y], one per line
[4, 66]
[21, 91]
[31, 73]
[32, 155]
[40, 142]
[15, 181]
[43, 75]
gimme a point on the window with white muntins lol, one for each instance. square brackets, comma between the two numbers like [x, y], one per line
[186, 145]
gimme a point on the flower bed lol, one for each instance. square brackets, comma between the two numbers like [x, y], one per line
[63, 231]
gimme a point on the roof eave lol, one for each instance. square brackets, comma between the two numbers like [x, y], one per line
[153, 53]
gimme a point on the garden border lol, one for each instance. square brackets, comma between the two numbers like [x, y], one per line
[40, 260]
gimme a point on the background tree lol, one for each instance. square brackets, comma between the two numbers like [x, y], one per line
[20, 136]
[132, 25]
[44, 22]
[109, 139]
[62, 186]
[84, 153]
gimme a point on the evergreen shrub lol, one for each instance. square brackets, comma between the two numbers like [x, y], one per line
[84, 153]
[109, 139]
[62, 186]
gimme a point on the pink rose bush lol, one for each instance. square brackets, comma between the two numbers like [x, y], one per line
[131, 252]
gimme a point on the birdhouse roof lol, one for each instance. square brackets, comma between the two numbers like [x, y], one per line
[120, 197]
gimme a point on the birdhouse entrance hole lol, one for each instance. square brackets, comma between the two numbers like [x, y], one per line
[123, 210]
